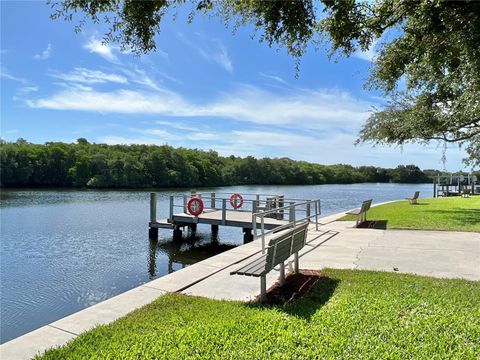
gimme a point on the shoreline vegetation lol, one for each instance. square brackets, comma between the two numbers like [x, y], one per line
[88, 165]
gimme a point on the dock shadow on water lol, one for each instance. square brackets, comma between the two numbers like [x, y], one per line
[193, 248]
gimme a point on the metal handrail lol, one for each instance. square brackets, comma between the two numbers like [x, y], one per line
[292, 221]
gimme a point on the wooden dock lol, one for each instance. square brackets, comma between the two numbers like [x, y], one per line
[276, 212]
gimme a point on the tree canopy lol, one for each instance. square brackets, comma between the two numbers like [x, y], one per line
[83, 164]
[428, 62]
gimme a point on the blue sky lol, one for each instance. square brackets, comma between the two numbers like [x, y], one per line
[203, 88]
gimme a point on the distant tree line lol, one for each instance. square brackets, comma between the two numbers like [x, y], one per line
[83, 164]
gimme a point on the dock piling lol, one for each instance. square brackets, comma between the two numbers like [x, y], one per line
[247, 235]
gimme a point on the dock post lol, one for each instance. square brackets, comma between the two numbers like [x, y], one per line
[224, 211]
[153, 207]
[212, 200]
[185, 201]
[153, 231]
[177, 233]
[193, 229]
[247, 235]
[171, 208]
[257, 200]
[214, 229]
[280, 205]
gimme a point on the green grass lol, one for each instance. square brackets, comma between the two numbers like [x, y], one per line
[353, 314]
[454, 213]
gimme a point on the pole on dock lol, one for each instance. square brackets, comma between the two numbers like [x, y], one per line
[247, 235]
[153, 207]
[281, 202]
[212, 200]
[224, 211]
[153, 231]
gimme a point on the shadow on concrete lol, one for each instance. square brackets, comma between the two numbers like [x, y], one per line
[373, 224]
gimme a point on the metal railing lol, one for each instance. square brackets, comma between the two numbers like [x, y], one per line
[212, 202]
[297, 212]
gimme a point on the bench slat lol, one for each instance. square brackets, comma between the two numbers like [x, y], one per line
[247, 267]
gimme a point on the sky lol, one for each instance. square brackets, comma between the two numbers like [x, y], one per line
[204, 88]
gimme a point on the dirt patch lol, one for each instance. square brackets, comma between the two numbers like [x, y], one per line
[296, 286]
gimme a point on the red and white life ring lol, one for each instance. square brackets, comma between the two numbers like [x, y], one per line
[195, 206]
[236, 200]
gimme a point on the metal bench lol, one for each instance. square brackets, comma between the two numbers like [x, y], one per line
[413, 200]
[362, 212]
[283, 245]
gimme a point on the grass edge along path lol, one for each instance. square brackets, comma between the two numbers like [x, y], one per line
[452, 214]
[348, 314]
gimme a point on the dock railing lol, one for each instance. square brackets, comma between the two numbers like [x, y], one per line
[298, 212]
[252, 203]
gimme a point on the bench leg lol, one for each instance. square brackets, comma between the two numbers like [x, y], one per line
[282, 274]
[295, 263]
[263, 288]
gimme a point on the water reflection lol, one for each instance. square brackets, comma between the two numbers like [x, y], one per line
[192, 249]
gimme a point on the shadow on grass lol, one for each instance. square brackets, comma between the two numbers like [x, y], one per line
[461, 216]
[302, 295]
[374, 224]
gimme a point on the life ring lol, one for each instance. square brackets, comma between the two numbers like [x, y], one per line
[236, 200]
[195, 206]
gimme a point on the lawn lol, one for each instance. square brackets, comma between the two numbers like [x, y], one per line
[452, 213]
[347, 314]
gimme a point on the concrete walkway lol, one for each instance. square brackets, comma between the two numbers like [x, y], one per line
[336, 245]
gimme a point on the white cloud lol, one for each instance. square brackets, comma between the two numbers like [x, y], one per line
[120, 140]
[306, 108]
[87, 76]
[274, 77]
[45, 54]
[104, 50]
[368, 55]
[6, 75]
[213, 51]
[27, 90]
[140, 77]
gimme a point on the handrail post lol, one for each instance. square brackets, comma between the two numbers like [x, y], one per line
[263, 234]
[308, 210]
[153, 207]
[257, 199]
[224, 211]
[171, 208]
[291, 216]
[212, 200]
[254, 206]
[185, 204]
[316, 215]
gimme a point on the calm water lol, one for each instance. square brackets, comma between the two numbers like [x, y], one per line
[65, 250]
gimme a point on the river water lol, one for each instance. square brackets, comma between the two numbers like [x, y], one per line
[65, 250]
